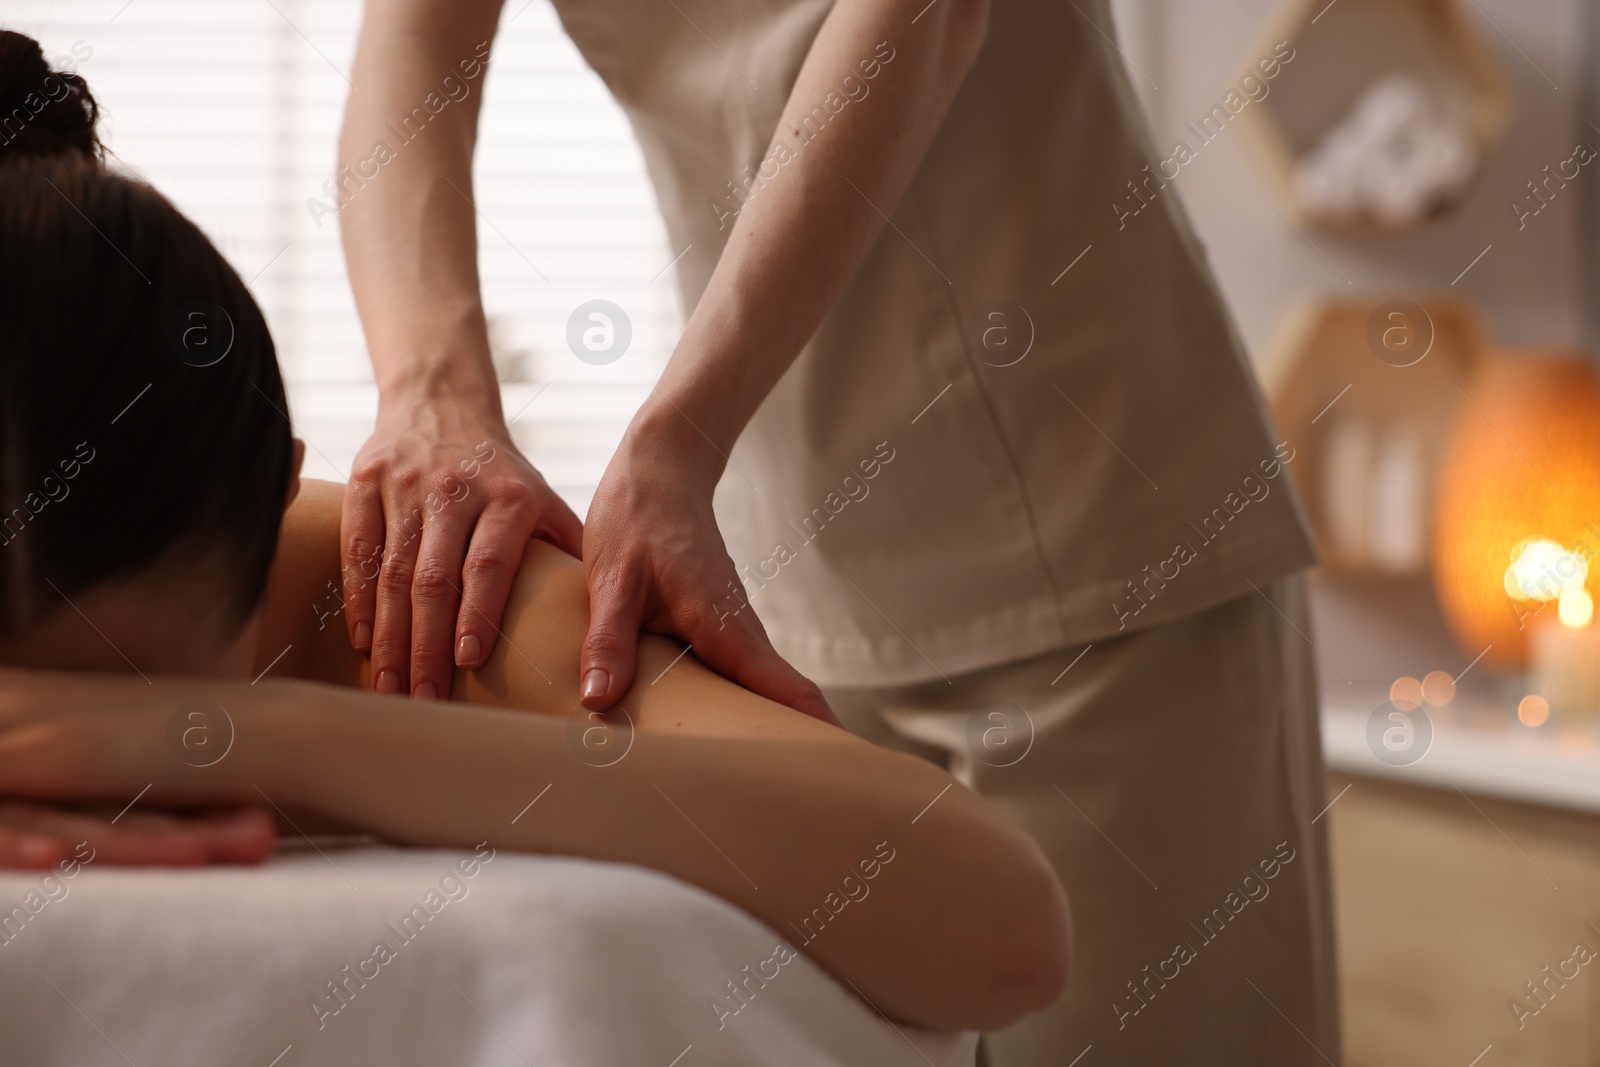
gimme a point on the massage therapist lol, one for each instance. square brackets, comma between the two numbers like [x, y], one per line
[941, 419]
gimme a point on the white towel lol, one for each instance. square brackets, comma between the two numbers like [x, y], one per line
[513, 960]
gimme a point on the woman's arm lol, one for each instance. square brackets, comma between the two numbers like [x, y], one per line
[876, 864]
[965, 926]
[302, 636]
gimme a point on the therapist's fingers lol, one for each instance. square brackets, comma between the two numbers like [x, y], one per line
[726, 636]
[391, 628]
[559, 524]
[433, 479]
[498, 542]
[436, 600]
[610, 650]
[486, 575]
[361, 556]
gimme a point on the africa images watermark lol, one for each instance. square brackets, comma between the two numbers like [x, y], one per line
[1541, 194]
[1252, 89]
[339, 991]
[807, 530]
[1210, 528]
[1254, 889]
[854, 889]
[851, 89]
[600, 738]
[52, 889]
[338, 188]
[52, 490]
[1546, 575]
[435, 502]
[1000, 733]
[52, 90]
[1543, 989]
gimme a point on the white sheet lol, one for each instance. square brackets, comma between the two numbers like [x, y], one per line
[533, 960]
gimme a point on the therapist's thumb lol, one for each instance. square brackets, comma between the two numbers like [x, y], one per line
[605, 669]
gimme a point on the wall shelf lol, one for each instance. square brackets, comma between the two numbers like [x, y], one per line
[1346, 409]
[1344, 48]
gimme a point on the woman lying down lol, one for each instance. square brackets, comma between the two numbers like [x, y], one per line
[158, 552]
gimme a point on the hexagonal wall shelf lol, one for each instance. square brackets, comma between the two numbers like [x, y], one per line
[1366, 393]
[1385, 115]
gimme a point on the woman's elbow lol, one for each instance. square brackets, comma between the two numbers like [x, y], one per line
[1007, 944]
[1031, 955]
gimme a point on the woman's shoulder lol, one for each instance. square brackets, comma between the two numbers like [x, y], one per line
[303, 629]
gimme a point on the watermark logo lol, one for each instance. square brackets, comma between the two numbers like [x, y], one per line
[600, 738]
[1000, 734]
[1400, 333]
[598, 332]
[1000, 333]
[200, 733]
[339, 992]
[1399, 734]
[200, 333]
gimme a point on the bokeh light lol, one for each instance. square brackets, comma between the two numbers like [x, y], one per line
[1575, 608]
[1542, 569]
[1438, 688]
[1406, 693]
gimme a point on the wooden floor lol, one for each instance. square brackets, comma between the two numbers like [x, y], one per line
[1447, 905]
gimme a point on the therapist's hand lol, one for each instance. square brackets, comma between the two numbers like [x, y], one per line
[656, 561]
[437, 513]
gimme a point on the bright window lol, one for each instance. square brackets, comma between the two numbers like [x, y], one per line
[232, 110]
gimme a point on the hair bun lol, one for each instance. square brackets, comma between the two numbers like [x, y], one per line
[43, 112]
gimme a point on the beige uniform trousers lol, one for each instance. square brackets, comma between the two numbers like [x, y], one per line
[1173, 777]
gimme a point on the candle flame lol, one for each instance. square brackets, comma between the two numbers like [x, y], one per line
[1575, 608]
[1542, 569]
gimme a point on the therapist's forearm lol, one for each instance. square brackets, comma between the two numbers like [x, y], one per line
[409, 230]
[801, 235]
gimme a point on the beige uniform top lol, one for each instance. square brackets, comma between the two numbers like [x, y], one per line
[912, 500]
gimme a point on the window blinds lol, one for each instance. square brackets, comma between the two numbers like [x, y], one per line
[232, 110]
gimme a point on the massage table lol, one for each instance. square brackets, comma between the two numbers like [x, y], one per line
[526, 960]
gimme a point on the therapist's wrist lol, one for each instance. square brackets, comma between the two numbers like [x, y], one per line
[463, 388]
[425, 398]
[446, 360]
[662, 431]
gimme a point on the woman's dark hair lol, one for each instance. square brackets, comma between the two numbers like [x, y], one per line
[142, 416]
